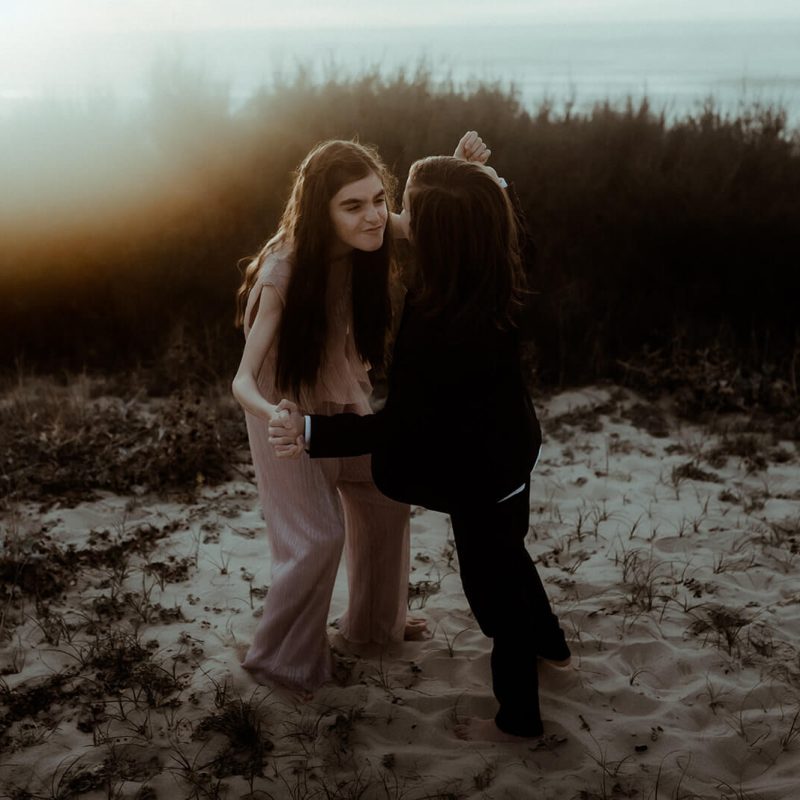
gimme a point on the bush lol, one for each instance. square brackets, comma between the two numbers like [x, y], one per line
[61, 441]
[646, 232]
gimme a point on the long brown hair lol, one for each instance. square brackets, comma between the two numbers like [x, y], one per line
[465, 236]
[307, 231]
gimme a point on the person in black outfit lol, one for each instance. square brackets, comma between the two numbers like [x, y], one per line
[458, 432]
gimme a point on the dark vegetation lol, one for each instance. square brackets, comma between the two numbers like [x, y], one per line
[121, 236]
[63, 442]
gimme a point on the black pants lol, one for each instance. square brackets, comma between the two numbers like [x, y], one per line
[508, 599]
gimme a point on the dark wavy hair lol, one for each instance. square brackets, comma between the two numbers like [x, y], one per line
[465, 236]
[307, 230]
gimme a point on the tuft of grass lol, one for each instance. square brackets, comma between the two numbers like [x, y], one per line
[692, 472]
[649, 417]
[643, 577]
[246, 747]
[723, 625]
[420, 591]
[751, 451]
[31, 700]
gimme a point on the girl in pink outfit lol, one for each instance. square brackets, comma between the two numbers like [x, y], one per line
[315, 309]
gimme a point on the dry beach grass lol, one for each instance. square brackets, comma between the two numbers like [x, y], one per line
[670, 550]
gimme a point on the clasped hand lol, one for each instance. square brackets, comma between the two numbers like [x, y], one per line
[287, 430]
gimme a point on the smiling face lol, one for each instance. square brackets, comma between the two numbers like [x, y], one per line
[359, 213]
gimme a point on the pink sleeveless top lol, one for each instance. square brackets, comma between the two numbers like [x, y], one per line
[343, 378]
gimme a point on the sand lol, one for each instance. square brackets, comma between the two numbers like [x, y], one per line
[670, 553]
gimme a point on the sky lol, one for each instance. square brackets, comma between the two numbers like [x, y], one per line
[91, 54]
[29, 21]
[62, 46]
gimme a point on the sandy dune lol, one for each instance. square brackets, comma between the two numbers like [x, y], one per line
[670, 554]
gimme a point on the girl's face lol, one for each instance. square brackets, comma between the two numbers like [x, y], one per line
[359, 213]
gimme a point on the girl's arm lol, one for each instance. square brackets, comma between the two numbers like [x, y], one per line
[258, 344]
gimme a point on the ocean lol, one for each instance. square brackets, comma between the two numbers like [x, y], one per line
[677, 65]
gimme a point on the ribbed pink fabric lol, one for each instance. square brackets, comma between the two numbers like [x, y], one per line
[312, 508]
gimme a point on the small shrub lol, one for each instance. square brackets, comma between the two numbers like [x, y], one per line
[58, 443]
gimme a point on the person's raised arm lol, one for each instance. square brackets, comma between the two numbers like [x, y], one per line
[470, 147]
[260, 341]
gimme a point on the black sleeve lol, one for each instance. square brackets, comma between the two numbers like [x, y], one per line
[344, 434]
